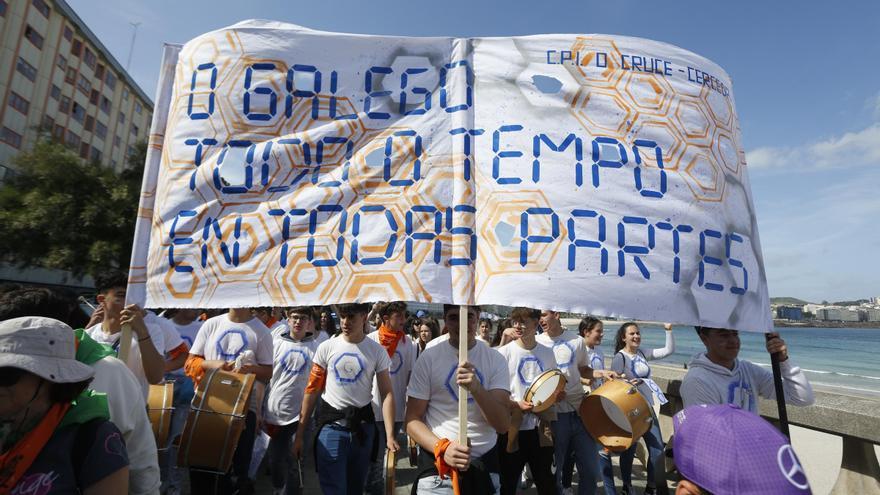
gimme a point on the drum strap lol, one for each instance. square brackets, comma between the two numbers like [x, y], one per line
[357, 419]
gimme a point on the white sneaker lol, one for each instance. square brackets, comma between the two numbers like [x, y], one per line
[524, 481]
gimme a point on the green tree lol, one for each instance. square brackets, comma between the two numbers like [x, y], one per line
[59, 212]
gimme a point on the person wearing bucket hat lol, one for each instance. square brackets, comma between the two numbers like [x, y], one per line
[722, 449]
[55, 436]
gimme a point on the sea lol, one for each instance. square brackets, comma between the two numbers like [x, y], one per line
[843, 360]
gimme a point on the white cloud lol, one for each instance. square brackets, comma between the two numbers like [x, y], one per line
[861, 148]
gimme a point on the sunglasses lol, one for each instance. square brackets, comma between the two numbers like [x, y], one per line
[9, 376]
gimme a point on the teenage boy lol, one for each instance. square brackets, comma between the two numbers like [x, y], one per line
[294, 352]
[145, 358]
[717, 376]
[341, 384]
[526, 360]
[569, 434]
[219, 342]
[401, 352]
[432, 411]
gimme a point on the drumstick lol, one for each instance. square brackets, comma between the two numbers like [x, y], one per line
[125, 342]
[299, 468]
[462, 358]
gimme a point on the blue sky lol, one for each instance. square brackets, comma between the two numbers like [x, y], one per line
[806, 76]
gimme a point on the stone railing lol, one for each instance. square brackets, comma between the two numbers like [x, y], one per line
[854, 419]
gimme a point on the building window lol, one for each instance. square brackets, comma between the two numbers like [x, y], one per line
[26, 69]
[2, 8]
[96, 155]
[76, 49]
[42, 7]
[138, 108]
[130, 151]
[84, 85]
[121, 118]
[114, 163]
[84, 150]
[100, 130]
[58, 132]
[10, 137]
[99, 71]
[48, 123]
[33, 36]
[93, 97]
[78, 113]
[105, 105]
[125, 94]
[90, 59]
[110, 81]
[72, 139]
[90, 123]
[134, 130]
[55, 93]
[64, 105]
[62, 62]
[70, 75]
[18, 102]
[68, 33]
[117, 141]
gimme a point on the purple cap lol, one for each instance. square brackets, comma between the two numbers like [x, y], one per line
[724, 449]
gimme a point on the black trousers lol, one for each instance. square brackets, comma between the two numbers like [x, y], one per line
[223, 484]
[539, 459]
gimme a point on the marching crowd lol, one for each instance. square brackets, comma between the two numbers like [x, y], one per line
[73, 417]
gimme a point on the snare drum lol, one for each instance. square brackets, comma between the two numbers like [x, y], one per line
[616, 415]
[542, 393]
[159, 408]
[390, 464]
[216, 421]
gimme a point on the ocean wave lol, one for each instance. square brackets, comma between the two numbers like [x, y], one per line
[872, 391]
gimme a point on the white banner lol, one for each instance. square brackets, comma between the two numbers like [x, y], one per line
[595, 174]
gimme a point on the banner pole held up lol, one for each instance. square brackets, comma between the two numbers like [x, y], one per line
[462, 358]
[780, 392]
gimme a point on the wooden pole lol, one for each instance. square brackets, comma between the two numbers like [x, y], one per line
[780, 392]
[125, 343]
[462, 358]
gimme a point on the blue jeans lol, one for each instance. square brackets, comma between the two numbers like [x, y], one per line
[376, 475]
[656, 461]
[570, 435]
[342, 460]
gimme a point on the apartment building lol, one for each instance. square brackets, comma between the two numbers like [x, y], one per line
[57, 77]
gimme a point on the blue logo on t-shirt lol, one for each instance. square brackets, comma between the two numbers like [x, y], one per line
[452, 387]
[528, 369]
[564, 354]
[294, 361]
[739, 393]
[231, 343]
[348, 367]
[396, 363]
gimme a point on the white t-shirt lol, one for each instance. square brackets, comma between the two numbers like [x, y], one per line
[221, 338]
[134, 362]
[439, 340]
[290, 374]
[188, 332]
[523, 366]
[597, 362]
[350, 370]
[128, 412]
[571, 354]
[171, 337]
[433, 380]
[400, 369]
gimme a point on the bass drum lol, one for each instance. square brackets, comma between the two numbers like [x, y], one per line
[616, 415]
[216, 421]
[160, 402]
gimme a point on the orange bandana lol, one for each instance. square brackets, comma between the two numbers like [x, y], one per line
[389, 339]
[443, 469]
[15, 462]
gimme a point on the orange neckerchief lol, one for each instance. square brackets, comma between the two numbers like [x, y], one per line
[389, 339]
[15, 462]
[444, 469]
[317, 379]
